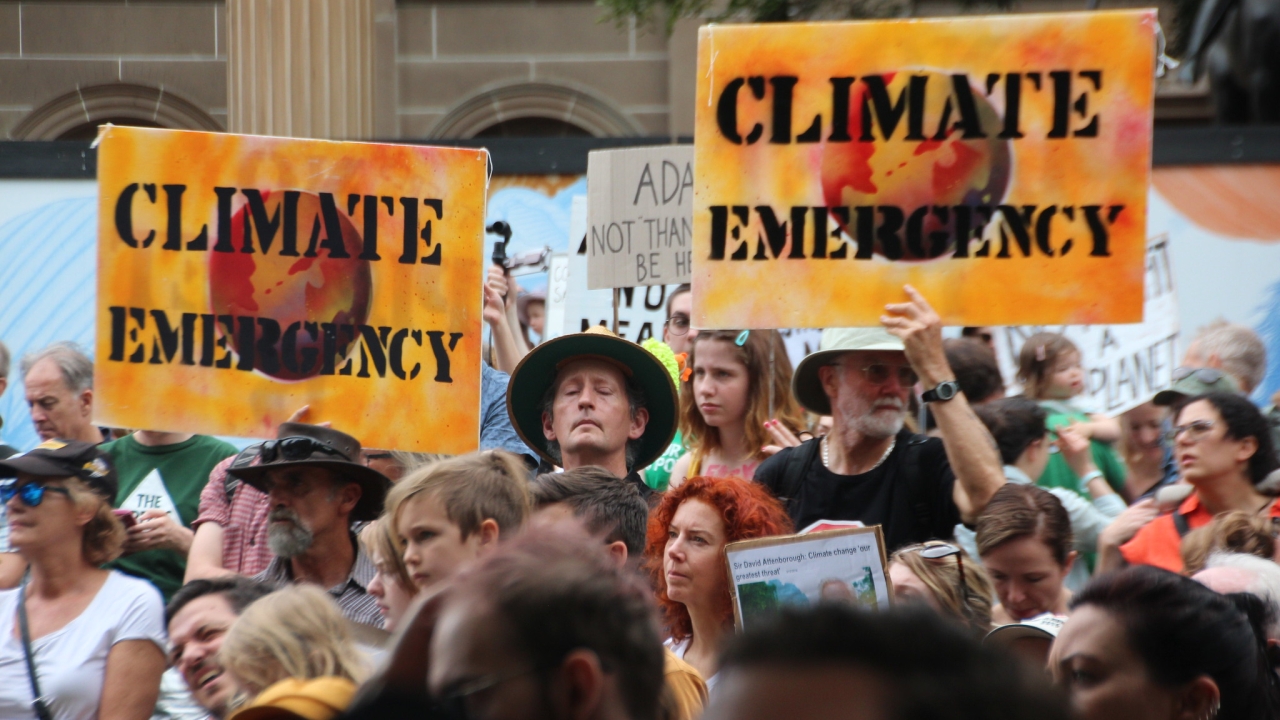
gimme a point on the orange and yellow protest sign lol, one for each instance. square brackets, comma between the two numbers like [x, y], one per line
[998, 164]
[240, 278]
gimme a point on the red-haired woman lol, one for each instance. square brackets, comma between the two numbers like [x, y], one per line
[685, 552]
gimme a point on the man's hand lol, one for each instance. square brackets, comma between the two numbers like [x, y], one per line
[301, 414]
[921, 331]
[157, 530]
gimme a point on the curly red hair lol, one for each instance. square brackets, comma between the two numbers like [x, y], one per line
[748, 510]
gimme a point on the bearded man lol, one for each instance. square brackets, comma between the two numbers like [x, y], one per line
[869, 467]
[317, 486]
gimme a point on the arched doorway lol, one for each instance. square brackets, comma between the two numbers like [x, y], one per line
[538, 109]
[77, 115]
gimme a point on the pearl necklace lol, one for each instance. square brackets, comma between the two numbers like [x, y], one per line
[826, 453]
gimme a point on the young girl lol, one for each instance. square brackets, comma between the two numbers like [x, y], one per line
[1050, 371]
[725, 402]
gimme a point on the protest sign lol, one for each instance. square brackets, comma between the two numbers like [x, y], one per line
[774, 572]
[640, 216]
[240, 278]
[997, 164]
[1124, 364]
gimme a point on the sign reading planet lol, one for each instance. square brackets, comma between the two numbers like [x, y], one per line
[308, 289]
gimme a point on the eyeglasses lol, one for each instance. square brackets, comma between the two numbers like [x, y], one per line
[1208, 376]
[878, 374]
[1196, 431]
[31, 494]
[454, 701]
[678, 324]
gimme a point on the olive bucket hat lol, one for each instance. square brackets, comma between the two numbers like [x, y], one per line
[807, 386]
[537, 372]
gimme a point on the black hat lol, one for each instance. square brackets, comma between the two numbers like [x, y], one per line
[66, 458]
[302, 445]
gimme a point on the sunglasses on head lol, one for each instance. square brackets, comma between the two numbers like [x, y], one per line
[1208, 376]
[288, 449]
[939, 550]
[31, 494]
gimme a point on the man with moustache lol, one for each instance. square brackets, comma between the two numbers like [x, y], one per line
[317, 485]
[869, 467]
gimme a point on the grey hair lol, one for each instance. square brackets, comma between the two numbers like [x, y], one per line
[76, 367]
[1239, 348]
[1265, 584]
[635, 401]
[4, 361]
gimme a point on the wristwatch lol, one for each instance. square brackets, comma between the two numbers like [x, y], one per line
[943, 392]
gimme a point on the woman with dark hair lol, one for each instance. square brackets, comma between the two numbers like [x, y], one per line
[1146, 644]
[685, 555]
[1223, 447]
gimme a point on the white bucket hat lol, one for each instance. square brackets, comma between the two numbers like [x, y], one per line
[806, 385]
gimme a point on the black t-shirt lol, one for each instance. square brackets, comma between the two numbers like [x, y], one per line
[882, 496]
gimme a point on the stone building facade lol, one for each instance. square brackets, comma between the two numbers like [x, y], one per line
[353, 69]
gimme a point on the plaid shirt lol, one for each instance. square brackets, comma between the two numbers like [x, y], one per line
[352, 595]
[243, 521]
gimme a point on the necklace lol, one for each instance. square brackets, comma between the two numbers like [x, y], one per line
[826, 453]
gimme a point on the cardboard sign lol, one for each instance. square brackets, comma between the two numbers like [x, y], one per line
[240, 278]
[640, 216]
[997, 164]
[1125, 365]
[840, 565]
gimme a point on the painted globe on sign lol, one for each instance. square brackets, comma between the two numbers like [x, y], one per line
[291, 290]
[910, 174]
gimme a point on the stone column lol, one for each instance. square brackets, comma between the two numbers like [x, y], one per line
[301, 68]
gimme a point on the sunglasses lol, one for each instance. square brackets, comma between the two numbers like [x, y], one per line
[289, 449]
[31, 494]
[939, 550]
[879, 374]
[1208, 376]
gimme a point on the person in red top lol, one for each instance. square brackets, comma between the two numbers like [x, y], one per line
[1223, 447]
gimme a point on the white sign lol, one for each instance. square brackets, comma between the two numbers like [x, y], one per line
[802, 570]
[640, 216]
[1124, 364]
[573, 307]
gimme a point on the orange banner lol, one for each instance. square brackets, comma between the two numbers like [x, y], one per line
[241, 277]
[998, 164]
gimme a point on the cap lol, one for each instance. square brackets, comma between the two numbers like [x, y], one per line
[807, 386]
[1190, 382]
[1044, 626]
[322, 698]
[66, 458]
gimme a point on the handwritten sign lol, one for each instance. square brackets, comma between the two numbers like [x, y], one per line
[1125, 365]
[242, 277]
[640, 216]
[836, 565]
[998, 164]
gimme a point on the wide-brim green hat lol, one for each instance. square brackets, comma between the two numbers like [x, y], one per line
[538, 370]
[805, 383]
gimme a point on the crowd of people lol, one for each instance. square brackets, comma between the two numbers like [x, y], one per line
[1045, 561]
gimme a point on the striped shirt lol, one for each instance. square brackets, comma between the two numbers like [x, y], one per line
[352, 595]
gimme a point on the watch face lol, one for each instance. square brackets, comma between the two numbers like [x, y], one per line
[946, 390]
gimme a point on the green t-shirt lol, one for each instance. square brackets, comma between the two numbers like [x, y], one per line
[168, 478]
[1058, 474]
[658, 475]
